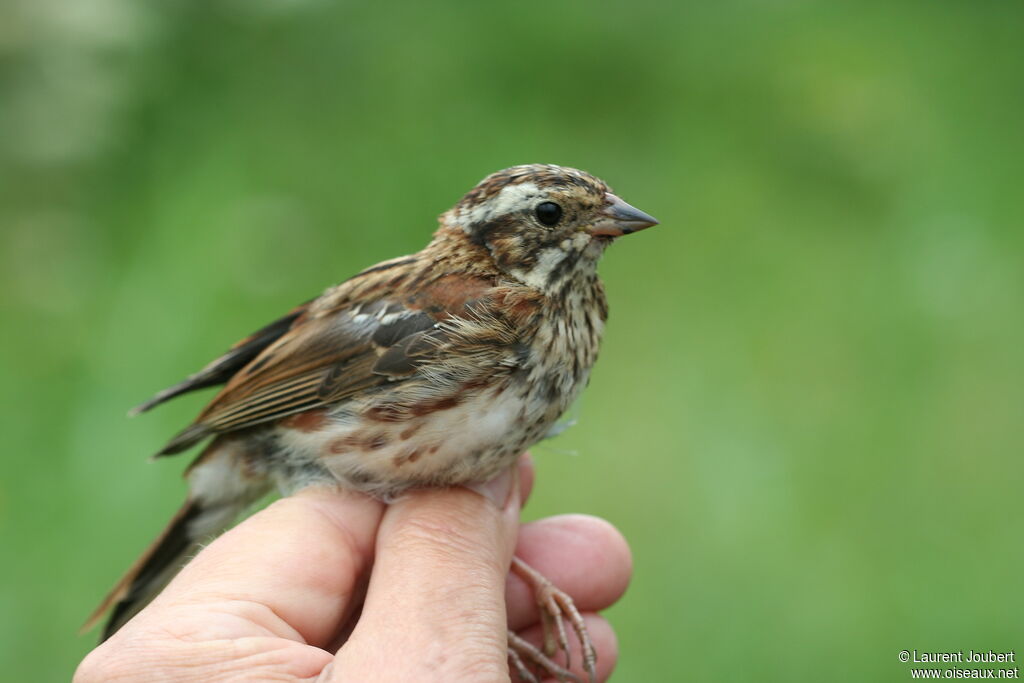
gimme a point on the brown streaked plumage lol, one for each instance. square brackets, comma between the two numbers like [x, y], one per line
[433, 369]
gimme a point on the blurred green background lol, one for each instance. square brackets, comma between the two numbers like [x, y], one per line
[807, 417]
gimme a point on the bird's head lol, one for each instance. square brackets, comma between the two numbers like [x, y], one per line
[543, 223]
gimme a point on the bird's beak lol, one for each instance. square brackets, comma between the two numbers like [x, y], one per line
[619, 218]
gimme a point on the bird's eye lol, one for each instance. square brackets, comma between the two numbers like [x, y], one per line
[548, 213]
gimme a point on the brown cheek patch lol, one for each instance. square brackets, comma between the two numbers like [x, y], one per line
[309, 421]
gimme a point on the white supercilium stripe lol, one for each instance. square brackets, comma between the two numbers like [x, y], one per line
[511, 198]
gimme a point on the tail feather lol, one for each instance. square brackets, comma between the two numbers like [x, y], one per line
[185, 439]
[150, 573]
[221, 488]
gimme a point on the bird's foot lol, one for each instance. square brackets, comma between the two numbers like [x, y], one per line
[521, 652]
[555, 607]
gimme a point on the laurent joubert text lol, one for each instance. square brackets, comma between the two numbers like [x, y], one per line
[958, 656]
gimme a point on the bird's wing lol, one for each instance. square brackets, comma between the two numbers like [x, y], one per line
[221, 369]
[447, 327]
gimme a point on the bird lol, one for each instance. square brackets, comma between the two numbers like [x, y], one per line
[429, 370]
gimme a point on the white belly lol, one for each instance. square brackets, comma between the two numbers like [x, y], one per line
[471, 441]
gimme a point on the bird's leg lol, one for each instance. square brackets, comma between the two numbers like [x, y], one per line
[555, 606]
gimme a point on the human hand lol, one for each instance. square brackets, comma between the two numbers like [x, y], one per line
[275, 597]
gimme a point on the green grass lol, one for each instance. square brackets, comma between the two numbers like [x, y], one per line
[807, 414]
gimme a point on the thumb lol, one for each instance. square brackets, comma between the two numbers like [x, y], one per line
[436, 599]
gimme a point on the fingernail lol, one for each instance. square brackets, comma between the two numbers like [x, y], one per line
[500, 489]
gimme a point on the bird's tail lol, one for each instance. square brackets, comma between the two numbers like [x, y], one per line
[220, 488]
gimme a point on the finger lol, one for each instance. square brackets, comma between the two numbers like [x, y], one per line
[293, 569]
[605, 642]
[527, 474]
[437, 593]
[582, 555]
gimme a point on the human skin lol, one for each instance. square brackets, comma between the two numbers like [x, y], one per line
[272, 598]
